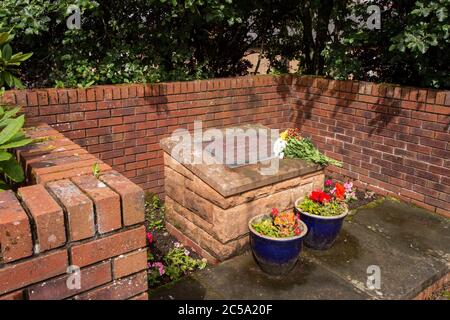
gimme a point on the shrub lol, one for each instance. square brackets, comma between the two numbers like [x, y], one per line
[10, 62]
[11, 136]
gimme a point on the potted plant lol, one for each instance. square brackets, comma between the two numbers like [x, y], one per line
[276, 240]
[323, 212]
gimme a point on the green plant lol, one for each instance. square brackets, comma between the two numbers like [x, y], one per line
[153, 277]
[96, 170]
[154, 212]
[304, 149]
[10, 62]
[266, 227]
[411, 47]
[278, 225]
[11, 136]
[327, 208]
[178, 262]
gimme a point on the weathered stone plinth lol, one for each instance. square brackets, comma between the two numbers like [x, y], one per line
[208, 206]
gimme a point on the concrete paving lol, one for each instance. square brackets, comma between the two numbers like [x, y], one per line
[410, 246]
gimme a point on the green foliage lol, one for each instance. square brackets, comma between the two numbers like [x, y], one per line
[153, 277]
[138, 41]
[278, 224]
[410, 48]
[266, 227]
[10, 62]
[179, 263]
[304, 149]
[303, 32]
[96, 170]
[160, 40]
[331, 208]
[154, 212]
[11, 136]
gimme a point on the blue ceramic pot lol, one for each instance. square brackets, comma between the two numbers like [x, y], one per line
[275, 256]
[322, 231]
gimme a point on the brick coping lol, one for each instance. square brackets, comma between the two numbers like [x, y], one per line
[66, 219]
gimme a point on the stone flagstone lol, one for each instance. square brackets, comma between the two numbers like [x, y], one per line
[410, 245]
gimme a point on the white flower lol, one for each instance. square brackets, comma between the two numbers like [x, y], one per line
[186, 252]
[278, 147]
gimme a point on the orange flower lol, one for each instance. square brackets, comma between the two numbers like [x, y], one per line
[340, 191]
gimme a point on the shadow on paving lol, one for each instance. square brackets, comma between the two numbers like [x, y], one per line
[410, 246]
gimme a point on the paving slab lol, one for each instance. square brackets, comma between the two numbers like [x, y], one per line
[406, 225]
[241, 278]
[410, 246]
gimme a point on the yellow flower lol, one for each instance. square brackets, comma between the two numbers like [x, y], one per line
[284, 135]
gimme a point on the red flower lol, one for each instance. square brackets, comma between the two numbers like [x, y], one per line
[320, 196]
[149, 237]
[340, 191]
[275, 212]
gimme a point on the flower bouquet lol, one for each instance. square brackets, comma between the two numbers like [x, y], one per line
[292, 145]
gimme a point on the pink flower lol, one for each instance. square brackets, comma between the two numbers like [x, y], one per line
[348, 186]
[328, 183]
[160, 267]
[150, 237]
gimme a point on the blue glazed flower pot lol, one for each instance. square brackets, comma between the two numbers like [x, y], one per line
[275, 256]
[322, 231]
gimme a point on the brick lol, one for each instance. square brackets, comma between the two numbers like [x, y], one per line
[134, 262]
[32, 98]
[106, 202]
[57, 289]
[17, 295]
[132, 197]
[47, 215]
[60, 164]
[118, 290]
[33, 270]
[66, 174]
[78, 207]
[15, 232]
[110, 122]
[142, 296]
[107, 247]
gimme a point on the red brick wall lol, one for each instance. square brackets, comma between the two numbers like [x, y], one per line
[122, 125]
[71, 219]
[392, 139]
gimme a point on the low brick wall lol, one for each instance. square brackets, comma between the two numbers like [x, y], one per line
[394, 140]
[66, 218]
[123, 124]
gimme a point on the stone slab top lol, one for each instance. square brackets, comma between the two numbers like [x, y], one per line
[228, 178]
